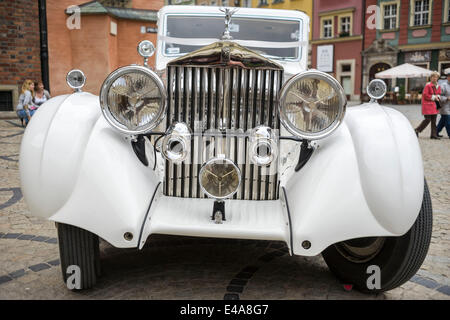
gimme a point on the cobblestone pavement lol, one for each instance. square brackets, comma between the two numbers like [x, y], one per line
[172, 267]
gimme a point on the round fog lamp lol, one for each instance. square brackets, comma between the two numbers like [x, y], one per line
[76, 79]
[263, 146]
[262, 153]
[376, 89]
[176, 143]
[146, 48]
[219, 178]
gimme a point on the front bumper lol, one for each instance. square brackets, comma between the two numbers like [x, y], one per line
[245, 219]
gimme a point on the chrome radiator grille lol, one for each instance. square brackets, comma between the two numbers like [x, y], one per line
[213, 99]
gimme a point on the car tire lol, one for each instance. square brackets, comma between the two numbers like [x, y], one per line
[399, 258]
[78, 247]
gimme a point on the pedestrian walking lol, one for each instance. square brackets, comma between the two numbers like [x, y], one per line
[25, 108]
[40, 94]
[445, 107]
[430, 105]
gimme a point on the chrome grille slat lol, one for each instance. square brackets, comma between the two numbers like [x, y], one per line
[248, 175]
[212, 98]
[194, 120]
[186, 181]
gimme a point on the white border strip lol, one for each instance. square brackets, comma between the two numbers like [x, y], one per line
[245, 43]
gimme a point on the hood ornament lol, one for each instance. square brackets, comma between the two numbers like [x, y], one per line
[228, 14]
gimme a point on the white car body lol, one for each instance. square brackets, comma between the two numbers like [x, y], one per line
[365, 179]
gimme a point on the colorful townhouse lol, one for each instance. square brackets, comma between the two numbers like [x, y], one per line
[407, 31]
[337, 42]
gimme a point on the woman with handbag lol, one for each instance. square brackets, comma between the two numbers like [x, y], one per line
[430, 105]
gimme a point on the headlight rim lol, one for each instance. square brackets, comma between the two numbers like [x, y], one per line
[104, 90]
[333, 126]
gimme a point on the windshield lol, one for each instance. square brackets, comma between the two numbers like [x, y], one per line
[242, 28]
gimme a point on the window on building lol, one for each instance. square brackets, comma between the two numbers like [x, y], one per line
[346, 68]
[421, 12]
[345, 25]
[6, 101]
[225, 3]
[263, 3]
[447, 11]
[327, 28]
[390, 16]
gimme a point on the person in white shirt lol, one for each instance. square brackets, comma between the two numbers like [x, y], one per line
[40, 94]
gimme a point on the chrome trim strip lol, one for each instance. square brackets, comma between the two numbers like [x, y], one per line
[291, 251]
[146, 215]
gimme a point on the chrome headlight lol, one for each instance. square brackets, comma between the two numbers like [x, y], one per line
[312, 104]
[133, 99]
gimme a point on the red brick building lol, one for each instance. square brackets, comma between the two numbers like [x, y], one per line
[96, 37]
[19, 48]
[107, 38]
[337, 42]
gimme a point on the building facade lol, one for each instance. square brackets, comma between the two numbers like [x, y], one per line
[19, 49]
[43, 40]
[407, 31]
[337, 42]
[103, 38]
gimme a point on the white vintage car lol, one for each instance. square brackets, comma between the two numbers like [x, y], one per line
[230, 137]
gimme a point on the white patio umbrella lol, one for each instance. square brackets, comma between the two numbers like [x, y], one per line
[404, 71]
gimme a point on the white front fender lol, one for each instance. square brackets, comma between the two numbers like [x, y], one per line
[76, 169]
[366, 179]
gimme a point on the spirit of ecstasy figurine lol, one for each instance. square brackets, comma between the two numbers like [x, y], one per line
[228, 14]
